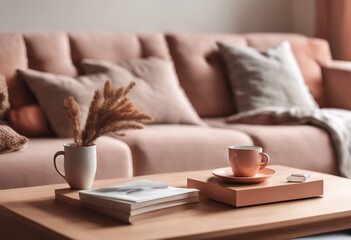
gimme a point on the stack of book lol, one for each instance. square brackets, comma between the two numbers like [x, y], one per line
[276, 189]
[133, 201]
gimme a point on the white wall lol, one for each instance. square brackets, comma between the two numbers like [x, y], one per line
[157, 15]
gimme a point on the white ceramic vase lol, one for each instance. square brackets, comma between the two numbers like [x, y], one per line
[79, 165]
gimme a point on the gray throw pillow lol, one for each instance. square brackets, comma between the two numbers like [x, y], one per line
[265, 78]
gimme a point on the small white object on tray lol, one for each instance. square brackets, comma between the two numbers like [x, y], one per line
[298, 177]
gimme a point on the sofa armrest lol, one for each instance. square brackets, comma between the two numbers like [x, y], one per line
[337, 80]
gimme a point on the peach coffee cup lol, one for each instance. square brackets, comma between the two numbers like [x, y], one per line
[247, 161]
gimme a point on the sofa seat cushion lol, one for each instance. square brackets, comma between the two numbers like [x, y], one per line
[33, 165]
[172, 148]
[300, 146]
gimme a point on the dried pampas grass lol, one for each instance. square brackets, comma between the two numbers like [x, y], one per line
[73, 111]
[109, 112]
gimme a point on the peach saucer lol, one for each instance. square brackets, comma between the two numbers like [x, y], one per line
[227, 174]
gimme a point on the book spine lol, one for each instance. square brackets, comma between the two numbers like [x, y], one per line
[107, 211]
[214, 191]
[291, 191]
[255, 196]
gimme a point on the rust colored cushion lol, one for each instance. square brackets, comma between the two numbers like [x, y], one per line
[10, 140]
[157, 93]
[29, 121]
[4, 97]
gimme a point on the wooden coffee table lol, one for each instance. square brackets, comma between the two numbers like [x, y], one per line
[33, 213]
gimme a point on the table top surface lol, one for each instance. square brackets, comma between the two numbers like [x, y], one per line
[207, 219]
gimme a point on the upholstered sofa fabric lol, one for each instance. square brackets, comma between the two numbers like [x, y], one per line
[302, 146]
[200, 70]
[13, 56]
[61, 53]
[50, 52]
[164, 148]
[30, 120]
[337, 77]
[34, 165]
[171, 148]
[116, 47]
[198, 62]
[196, 59]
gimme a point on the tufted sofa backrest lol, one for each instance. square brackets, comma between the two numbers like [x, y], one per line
[202, 75]
[196, 57]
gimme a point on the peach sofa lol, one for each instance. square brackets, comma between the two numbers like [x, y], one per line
[165, 147]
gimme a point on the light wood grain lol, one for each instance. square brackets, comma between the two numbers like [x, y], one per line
[37, 208]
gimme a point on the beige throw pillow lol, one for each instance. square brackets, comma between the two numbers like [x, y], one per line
[4, 97]
[157, 92]
[265, 78]
[51, 90]
[9, 140]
